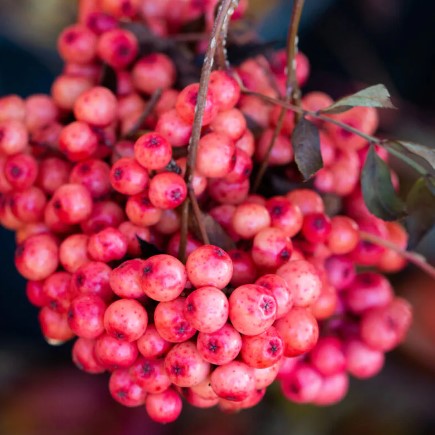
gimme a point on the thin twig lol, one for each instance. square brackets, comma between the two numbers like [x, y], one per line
[226, 9]
[151, 104]
[413, 257]
[292, 86]
[293, 94]
[371, 139]
[184, 228]
[198, 217]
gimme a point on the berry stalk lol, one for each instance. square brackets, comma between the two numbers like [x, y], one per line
[413, 257]
[293, 94]
[225, 11]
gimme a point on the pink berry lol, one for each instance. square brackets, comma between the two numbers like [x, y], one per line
[252, 309]
[206, 309]
[124, 390]
[299, 331]
[125, 319]
[85, 316]
[150, 374]
[164, 407]
[302, 280]
[151, 344]
[171, 323]
[209, 265]
[163, 277]
[220, 347]
[233, 381]
[185, 366]
[263, 350]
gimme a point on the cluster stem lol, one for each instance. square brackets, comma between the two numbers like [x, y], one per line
[220, 27]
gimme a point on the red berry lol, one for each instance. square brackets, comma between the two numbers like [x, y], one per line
[187, 101]
[118, 48]
[167, 190]
[128, 177]
[302, 280]
[124, 390]
[152, 72]
[153, 151]
[185, 366]
[220, 347]
[21, 171]
[209, 265]
[216, 155]
[94, 175]
[85, 316]
[263, 350]
[83, 356]
[125, 279]
[164, 407]
[37, 257]
[112, 353]
[233, 381]
[77, 44]
[252, 309]
[96, 106]
[206, 309]
[125, 319]
[171, 323]
[150, 374]
[163, 277]
[299, 331]
[151, 344]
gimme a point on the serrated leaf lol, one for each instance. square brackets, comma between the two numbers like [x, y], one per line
[426, 153]
[373, 96]
[306, 147]
[147, 249]
[421, 208]
[378, 191]
[430, 183]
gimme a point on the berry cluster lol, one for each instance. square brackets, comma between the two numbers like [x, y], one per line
[86, 180]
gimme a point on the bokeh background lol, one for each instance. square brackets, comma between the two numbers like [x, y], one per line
[349, 43]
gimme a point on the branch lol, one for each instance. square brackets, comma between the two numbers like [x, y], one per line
[184, 228]
[371, 139]
[226, 9]
[412, 257]
[155, 97]
[198, 217]
[293, 94]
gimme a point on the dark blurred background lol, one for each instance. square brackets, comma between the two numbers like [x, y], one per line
[349, 43]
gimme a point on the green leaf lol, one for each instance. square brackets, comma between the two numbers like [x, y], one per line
[378, 191]
[422, 151]
[373, 96]
[421, 208]
[306, 146]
